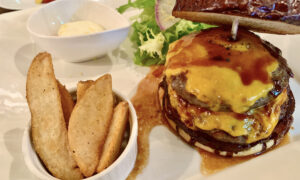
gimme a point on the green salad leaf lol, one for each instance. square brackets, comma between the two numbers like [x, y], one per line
[152, 43]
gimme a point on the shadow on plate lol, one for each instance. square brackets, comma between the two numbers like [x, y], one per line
[94, 67]
[13, 144]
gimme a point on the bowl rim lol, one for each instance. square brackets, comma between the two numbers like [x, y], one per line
[131, 145]
[29, 29]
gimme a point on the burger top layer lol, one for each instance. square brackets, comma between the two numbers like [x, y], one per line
[284, 10]
[220, 71]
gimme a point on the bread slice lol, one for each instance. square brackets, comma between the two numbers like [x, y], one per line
[256, 24]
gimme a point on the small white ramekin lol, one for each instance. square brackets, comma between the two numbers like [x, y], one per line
[119, 169]
[45, 22]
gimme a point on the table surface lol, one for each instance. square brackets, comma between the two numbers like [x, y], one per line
[166, 150]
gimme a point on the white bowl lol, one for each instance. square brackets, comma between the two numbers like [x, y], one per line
[45, 22]
[119, 169]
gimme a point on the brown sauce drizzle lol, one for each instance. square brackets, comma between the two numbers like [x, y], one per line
[149, 115]
[244, 63]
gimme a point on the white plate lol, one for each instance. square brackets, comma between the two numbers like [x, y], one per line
[170, 158]
[17, 4]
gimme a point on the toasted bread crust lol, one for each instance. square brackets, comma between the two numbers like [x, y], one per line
[278, 17]
[259, 25]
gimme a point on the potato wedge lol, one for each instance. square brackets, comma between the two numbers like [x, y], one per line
[115, 135]
[89, 124]
[82, 86]
[66, 102]
[48, 127]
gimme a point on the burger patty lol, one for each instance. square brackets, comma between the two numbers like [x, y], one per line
[222, 141]
[280, 78]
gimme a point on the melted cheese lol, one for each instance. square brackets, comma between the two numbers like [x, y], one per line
[221, 72]
[258, 124]
[216, 86]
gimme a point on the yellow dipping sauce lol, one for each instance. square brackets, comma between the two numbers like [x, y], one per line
[77, 28]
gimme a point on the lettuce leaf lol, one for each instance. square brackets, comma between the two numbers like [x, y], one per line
[152, 43]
